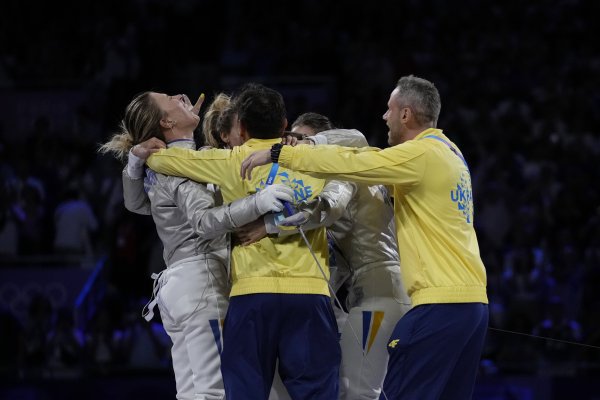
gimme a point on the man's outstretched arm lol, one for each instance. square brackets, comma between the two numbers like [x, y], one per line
[402, 165]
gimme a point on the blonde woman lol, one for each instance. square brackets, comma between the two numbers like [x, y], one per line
[192, 292]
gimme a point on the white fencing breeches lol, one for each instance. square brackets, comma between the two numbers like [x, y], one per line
[376, 303]
[192, 300]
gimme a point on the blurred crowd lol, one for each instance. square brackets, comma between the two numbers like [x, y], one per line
[519, 96]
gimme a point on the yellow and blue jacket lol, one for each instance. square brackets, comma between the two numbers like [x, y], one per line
[433, 206]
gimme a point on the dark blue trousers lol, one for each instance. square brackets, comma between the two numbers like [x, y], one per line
[435, 351]
[299, 330]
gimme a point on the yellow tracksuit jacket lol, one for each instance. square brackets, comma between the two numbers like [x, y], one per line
[433, 208]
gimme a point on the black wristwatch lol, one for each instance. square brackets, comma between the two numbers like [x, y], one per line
[275, 150]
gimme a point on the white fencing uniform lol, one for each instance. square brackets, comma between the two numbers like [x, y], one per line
[367, 252]
[192, 292]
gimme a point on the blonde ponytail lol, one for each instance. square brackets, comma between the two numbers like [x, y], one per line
[119, 144]
[140, 123]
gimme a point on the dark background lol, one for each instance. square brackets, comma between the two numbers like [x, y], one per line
[519, 83]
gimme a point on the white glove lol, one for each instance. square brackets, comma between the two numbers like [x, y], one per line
[272, 197]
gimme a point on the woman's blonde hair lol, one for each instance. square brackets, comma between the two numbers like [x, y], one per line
[217, 119]
[140, 123]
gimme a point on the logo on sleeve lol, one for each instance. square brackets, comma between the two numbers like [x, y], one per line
[149, 180]
[463, 196]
